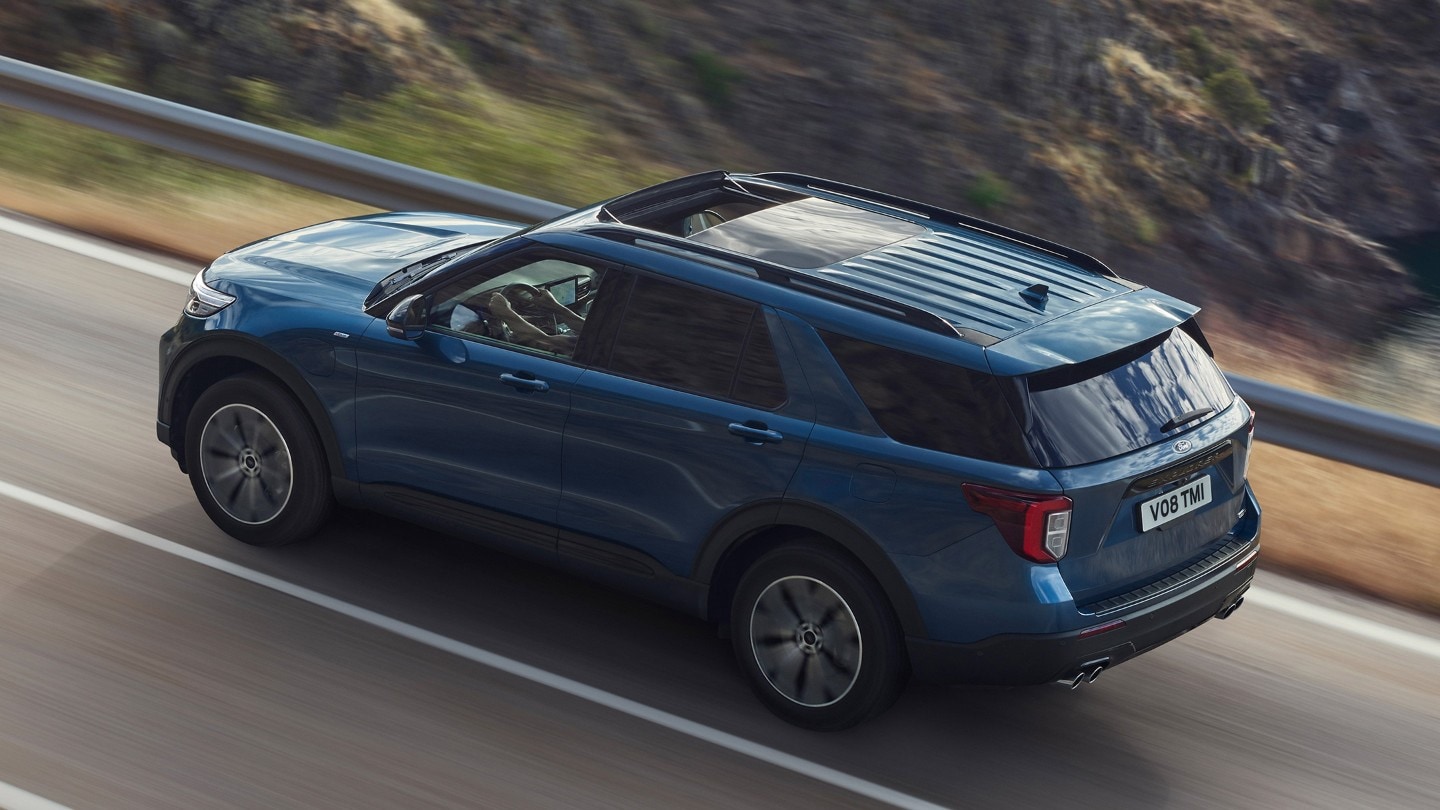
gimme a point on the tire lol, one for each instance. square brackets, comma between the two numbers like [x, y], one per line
[817, 638]
[256, 463]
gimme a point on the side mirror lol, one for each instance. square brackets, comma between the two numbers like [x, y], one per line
[407, 320]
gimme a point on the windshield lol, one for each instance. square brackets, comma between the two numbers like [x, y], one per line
[1123, 402]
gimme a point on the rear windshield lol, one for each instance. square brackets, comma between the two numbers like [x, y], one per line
[1122, 402]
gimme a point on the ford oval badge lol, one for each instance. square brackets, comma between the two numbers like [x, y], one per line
[1182, 446]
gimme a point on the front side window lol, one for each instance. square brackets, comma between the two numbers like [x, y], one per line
[684, 337]
[537, 301]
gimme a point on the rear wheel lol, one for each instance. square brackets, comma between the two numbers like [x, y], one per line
[817, 638]
[255, 463]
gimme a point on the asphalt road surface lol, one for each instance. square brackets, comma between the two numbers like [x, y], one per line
[362, 675]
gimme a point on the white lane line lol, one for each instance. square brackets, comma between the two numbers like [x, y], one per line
[1339, 620]
[739, 745]
[65, 241]
[13, 798]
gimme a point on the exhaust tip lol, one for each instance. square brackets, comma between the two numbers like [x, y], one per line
[1227, 612]
[1085, 673]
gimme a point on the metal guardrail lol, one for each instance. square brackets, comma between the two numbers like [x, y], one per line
[1330, 428]
[248, 147]
[1324, 427]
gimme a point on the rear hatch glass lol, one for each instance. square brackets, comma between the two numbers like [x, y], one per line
[1123, 401]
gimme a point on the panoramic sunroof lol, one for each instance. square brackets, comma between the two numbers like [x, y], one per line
[808, 233]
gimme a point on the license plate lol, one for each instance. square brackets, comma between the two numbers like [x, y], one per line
[1164, 508]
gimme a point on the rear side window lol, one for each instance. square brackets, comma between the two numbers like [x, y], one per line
[932, 404]
[1123, 402]
[684, 337]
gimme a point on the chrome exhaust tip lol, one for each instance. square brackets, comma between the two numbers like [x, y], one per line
[1086, 673]
[1226, 612]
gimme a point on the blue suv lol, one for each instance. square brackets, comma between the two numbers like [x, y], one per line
[866, 436]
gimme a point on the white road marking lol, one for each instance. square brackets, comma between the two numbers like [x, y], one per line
[1346, 622]
[739, 745]
[74, 244]
[13, 798]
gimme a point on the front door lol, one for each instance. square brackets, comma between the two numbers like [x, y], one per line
[473, 411]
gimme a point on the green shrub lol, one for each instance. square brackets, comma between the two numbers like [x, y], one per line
[988, 192]
[716, 78]
[1237, 99]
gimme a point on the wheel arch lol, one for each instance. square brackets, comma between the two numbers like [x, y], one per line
[745, 537]
[208, 361]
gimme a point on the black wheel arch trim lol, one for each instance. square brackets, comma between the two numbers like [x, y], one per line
[250, 350]
[739, 526]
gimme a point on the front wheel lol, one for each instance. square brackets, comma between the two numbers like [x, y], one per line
[817, 638]
[255, 463]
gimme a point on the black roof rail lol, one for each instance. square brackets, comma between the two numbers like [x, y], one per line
[1079, 259]
[779, 274]
[627, 205]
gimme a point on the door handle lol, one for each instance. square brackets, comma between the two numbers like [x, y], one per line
[526, 384]
[756, 433]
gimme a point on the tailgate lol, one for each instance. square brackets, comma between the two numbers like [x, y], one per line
[1146, 515]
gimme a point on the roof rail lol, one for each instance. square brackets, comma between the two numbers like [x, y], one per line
[627, 205]
[1079, 259]
[778, 274]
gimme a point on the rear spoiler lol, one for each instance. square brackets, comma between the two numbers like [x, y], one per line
[1102, 328]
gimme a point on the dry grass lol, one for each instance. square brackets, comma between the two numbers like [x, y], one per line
[1162, 90]
[1352, 527]
[198, 227]
[397, 22]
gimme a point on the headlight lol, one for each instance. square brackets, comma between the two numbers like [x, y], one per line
[205, 300]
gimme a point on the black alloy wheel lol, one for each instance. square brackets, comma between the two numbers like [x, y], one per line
[817, 638]
[255, 462]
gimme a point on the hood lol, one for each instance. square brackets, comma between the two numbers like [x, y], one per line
[344, 259]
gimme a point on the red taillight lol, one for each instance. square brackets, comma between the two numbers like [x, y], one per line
[1037, 527]
[1249, 447]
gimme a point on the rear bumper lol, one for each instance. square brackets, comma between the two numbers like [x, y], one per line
[1033, 659]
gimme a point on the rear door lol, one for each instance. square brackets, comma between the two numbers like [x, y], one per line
[686, 414]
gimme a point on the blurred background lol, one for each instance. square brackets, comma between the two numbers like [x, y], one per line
[1275, 161]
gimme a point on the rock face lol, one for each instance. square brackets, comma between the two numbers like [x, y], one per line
[1242, 154]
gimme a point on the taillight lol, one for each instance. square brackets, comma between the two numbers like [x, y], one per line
[1249, 448]
[1037, 527]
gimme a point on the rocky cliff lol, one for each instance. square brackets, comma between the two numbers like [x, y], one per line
[1242, 153]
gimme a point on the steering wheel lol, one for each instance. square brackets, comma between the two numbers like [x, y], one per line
[525, 300]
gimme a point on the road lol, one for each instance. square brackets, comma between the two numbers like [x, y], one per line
[132, 677]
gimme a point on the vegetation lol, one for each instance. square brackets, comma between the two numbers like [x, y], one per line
[1229, 88]
[988, 192]
[1237, 99]
[715, 77]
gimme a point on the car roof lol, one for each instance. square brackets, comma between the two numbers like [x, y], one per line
[943, 271]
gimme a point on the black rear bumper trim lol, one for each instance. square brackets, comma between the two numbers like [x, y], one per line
[1034, 659]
